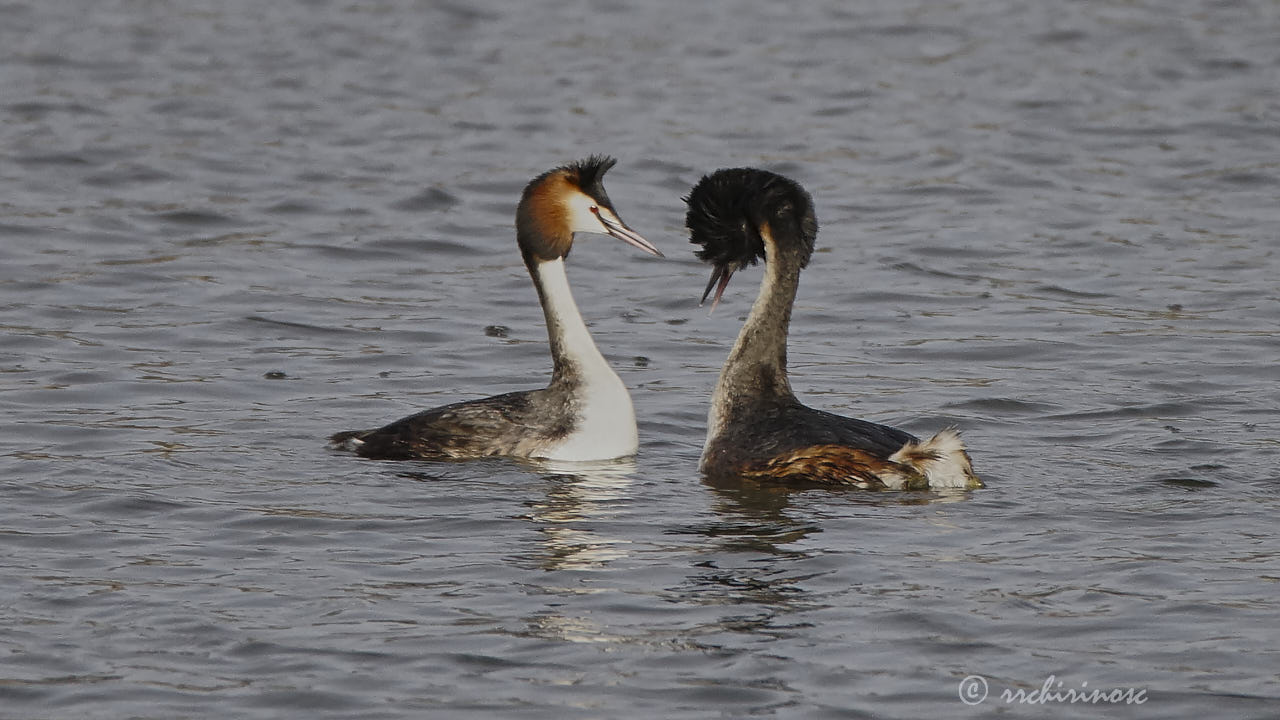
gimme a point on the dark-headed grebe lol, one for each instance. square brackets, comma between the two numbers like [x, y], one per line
[756, 428]
[585, 413]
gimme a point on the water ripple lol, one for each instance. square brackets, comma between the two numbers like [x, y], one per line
[225, 234]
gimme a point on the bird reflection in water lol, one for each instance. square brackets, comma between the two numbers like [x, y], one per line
[580, 498]
[576, 497]
[760, 540]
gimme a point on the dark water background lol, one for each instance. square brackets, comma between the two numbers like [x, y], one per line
[227, 230]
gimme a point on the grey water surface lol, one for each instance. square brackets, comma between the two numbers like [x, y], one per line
[230, 229]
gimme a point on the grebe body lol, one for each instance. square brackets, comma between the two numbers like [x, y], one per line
[756, 428]
[585, 413]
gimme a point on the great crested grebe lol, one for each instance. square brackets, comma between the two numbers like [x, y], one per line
[585, 412]
[756, 428]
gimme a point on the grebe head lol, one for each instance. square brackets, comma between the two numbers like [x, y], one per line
[569, 199]
[731, 211]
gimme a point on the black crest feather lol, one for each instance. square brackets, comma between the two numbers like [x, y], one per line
[728, 207]
[588, 175]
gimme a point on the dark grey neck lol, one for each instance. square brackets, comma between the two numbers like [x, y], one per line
[756, 370]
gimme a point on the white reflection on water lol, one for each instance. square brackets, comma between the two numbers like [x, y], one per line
[580, 498]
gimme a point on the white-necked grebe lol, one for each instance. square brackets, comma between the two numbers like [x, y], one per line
[756, 428]
[585, 412]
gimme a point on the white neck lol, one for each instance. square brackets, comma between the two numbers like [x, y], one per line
[605, 424]
[568, 332]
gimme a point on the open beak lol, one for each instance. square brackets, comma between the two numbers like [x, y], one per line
[719, 280]
[616, 229]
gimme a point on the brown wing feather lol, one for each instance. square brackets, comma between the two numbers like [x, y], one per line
[836, 465]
